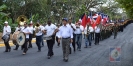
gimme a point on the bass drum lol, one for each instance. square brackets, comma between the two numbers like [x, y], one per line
[18, 38]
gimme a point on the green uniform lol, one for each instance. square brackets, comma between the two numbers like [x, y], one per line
[115, 30]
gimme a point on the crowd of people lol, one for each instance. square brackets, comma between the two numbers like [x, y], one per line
[68, 33]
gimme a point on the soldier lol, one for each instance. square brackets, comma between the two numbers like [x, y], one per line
[115, 30]
[102, 32]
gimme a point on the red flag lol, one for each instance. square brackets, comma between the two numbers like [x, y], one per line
[93, 25]
[84, 20]
[98, 20]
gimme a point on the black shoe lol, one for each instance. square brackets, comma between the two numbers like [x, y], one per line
[6, 51]
[15, 49]
[48, 57]
[52, 55]
[29, 47]
[66, 60]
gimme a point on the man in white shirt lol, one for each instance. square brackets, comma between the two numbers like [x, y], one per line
[66, 33]
[27, 31]
[50, 30]
[97, 34]
[38, 30]
[87, 31]
[30, 35]
[6, 32]
[73, 29]
[78, 32]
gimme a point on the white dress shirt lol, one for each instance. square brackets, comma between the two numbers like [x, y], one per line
[65, 32]
[90, 29]
[40, 32]
[79, 30]
[50, 29]
[6, 29]
[26, 30]
[71, 27]
[97, 29]
[31, 29]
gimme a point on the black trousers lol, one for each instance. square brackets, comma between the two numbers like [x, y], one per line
[73, 43]
[97, 37]
[30, 40]
[57, 41]
[38, 42]
[50, 44]
[24, 46]
[7, 45]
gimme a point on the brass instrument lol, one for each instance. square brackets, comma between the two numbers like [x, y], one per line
[22, 19]
[37, 28]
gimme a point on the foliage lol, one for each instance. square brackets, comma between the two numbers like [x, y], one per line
[127, 5]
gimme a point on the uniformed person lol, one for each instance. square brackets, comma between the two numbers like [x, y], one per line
[115, 30]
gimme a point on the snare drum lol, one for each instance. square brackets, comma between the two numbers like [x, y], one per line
[18, 38]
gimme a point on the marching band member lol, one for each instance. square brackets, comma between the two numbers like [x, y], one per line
[50, 30]
[97, 34]
[27, 31]
[88, 30]
[17, 29]
[66, 33]
[73, 29]
[6, 36]
[38, 30]
[30, 35]
[78, 32]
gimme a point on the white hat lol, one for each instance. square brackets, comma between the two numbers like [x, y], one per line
[6, 22]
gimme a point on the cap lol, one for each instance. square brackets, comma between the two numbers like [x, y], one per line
[65, 19]
[6, 22]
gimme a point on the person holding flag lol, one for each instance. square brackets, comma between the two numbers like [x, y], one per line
[88, 30]
[78, 32]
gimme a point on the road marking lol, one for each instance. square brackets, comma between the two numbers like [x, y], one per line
[11, 44]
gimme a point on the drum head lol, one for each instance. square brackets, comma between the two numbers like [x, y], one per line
[21, 39]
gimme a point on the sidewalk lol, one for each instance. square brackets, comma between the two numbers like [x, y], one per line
[11, 44]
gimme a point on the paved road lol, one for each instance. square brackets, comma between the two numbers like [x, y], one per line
[98, 55]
